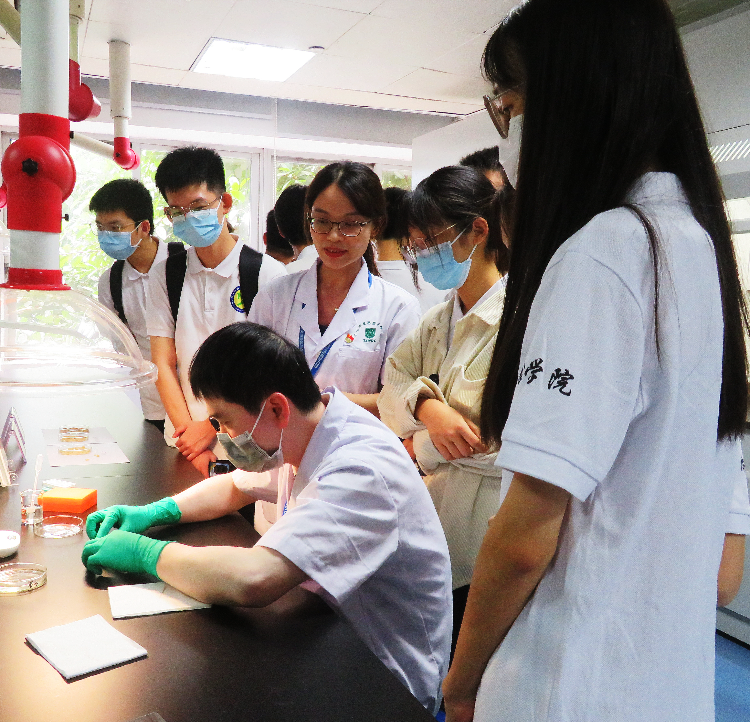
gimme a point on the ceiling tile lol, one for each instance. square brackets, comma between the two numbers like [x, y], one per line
[138, 73]
[359, 6]
[330, 71]
[285, 24]
[475, 16]
[369, 38]
[432, 84]
[463, 60]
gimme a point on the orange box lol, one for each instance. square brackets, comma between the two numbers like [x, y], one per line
[68, 499]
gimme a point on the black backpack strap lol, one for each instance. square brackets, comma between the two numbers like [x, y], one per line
[175, 247]
[250, 263]
[176, 267]
[115, 288]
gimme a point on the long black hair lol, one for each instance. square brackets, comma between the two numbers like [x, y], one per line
[457, 195]
[361, 185]
[607, 97]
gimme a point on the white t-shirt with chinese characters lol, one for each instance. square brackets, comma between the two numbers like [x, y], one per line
[621, 626]
[360, 523]
[398, 273]
[208, 303]
[374, 318]
[136, 303]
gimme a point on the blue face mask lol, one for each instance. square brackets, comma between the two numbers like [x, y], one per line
[198, 228]
[116, 244]
[438, 266]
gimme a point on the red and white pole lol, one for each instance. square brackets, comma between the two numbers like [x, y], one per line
[37, 169]
[119, 101]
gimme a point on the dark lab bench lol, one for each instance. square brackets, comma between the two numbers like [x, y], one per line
[293, 660]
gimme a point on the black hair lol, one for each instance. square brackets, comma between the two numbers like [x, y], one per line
[290, 214]
[191, 166]
[457, 195]
[244, 363]
[361, 185]
[274, 240]
[126, 195]
[397, 211]
[485, 159]
[607, 96]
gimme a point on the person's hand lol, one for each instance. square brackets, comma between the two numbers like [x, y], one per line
[194, 438]
[459, 704]
[200, 462]
[454, 436]
[123, 551]
[132, 518]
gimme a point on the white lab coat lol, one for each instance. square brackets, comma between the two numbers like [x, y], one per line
[373, 320]
[361, 524]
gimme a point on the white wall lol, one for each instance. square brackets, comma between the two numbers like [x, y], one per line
[446, 146]
[719, 58]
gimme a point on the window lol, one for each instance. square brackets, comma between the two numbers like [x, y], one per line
[290, 172]
[400, 178]
[81, 259]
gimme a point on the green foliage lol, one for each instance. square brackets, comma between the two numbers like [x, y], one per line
[81, 259]
[397, 178]
[289, 173]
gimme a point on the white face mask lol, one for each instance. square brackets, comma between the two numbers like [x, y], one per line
[513, 153]
[243, 451]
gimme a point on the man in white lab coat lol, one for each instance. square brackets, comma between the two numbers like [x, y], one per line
[356, 523]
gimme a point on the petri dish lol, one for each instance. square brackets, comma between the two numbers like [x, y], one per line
[73, 434]
[19, 578]
[59, 527]
[74, 449]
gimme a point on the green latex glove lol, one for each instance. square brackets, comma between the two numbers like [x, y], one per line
[123, 551]
[133, 518]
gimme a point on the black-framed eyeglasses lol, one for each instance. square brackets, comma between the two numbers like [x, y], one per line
[498, 113]
[350, 229]
[215, 423]
[173, 212]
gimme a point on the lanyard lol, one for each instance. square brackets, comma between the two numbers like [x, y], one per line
[321, 356]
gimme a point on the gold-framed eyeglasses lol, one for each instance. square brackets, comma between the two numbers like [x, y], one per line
[350, 229]
[173, 212]
[499, 114]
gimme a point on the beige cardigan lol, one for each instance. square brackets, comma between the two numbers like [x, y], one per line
[466, 492]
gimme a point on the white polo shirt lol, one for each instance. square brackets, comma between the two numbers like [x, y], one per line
[136, 303]
[398, 273]
[373, 320]
[208, 303]
[621, 626]
[307, 256]
[361, 524]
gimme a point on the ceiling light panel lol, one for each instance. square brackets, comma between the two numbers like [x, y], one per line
[246, 60]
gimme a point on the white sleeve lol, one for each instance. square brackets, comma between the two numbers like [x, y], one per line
[104, 293]
[343, 528]
[270, 268]
[261, 312]
[739, 507]
[579, 377]
[159, 319]
[404, 321]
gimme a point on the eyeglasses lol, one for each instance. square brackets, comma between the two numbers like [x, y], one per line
[350, 229]
[417, 246]
[97, 227]
[173, 212]
[215, 423]
[498, 113]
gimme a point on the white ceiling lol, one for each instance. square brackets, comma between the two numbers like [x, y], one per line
[414, 55]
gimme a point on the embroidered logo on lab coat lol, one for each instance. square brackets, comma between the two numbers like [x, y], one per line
[349, 338]
[368, 331]
[235, 299]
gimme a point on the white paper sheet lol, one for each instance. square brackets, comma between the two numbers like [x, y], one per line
[109, 453]
[140, 600]
[85, 646]
[97, 435]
